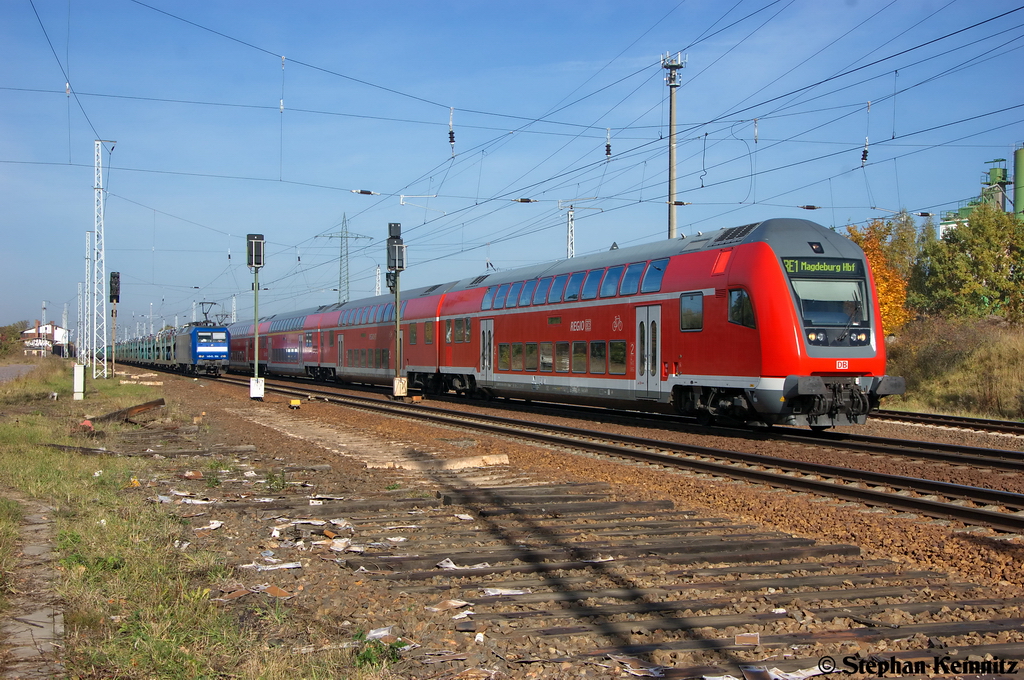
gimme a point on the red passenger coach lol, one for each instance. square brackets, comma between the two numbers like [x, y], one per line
[771, 322]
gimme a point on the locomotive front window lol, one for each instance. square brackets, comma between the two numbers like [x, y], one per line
[691, 311]
[830, 303]
[204, 338]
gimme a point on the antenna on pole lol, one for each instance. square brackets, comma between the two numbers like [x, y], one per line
[343, 269]
[672, 64]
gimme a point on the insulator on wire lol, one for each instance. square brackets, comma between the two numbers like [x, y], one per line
[451, 129]
[864, 153]
[608, 143]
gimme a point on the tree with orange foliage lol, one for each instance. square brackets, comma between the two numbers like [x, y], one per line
[883, 243]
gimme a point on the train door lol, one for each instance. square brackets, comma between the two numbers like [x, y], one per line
[648, 352]
[341, 350]
[487, 350]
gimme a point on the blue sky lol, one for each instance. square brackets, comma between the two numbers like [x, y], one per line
[191, 92]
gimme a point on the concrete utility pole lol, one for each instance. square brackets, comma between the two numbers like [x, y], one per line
[672, 64]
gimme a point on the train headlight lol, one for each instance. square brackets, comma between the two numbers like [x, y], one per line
[862, 337]
[812, 336]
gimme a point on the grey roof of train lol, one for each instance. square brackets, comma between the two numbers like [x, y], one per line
[783, 234]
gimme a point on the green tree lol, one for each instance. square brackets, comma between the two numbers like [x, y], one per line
[977, 269]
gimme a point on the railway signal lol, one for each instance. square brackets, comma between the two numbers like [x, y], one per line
[254, 260]
[396, 263]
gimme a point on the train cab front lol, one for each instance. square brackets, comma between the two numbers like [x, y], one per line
[841, 353]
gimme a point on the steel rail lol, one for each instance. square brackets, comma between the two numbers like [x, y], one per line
[741, 465]
[985, 424]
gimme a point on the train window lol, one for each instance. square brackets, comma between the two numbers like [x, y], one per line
[385, 358]
[382, 312]
[530, 356]
[330, 338]
[517, 356]
[610, 284]
[412, 333]
[598, 351]
[504, 356]
[691, 311]
[389, 315]
[547, 356]
[428, 332]
[654, 349]
[513, 295]
[460, 330]
[741, 309]
[541, 293]
[448, 331]
[527, 295]
[652, 277]
[362, 358]
[561, 357]
[617, 357]
[572, 289]
[309, 339]
[488, 299]
[641, 348]
[499, 297]
[468, 337]
[363, 311]
[592, 284]
[557, 286]
[579, 357]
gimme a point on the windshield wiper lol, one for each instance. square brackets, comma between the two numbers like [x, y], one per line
[853, 314]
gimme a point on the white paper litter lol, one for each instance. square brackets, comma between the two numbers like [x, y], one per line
[378, 633]
[465, 518]
[402, 526]
[447, 563]
[638, 667]
[196, 501]
[448, 604]
[340, 544]
[214, 524]
[271, 567]
[463, 615]
[597, 560]
[396, 539]
[344, 523]
[507, 591]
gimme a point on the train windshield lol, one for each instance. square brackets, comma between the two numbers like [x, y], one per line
[830, 302]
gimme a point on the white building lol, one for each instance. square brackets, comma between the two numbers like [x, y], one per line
[40, 339]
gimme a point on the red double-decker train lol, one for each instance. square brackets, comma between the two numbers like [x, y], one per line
[775, 322]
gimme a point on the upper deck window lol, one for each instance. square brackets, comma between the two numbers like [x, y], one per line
[527, 295]
[557, 286]
[631, 279]
[611, 281]
[540, 295]
[499, 297]
[572, 289]
[592, 284]
[488, 298]
[652, 277]
[513, 295]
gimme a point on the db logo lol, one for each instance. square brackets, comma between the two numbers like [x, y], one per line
[842, 365]
[617, 324]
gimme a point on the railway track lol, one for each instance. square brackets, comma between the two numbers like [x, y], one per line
[963, 422]
[999, 510]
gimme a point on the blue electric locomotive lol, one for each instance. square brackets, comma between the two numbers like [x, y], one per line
[193, 349]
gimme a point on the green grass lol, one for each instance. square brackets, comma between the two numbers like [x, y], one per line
[135, 606]
[973, 368]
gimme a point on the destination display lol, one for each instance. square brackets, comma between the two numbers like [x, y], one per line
[823, 266]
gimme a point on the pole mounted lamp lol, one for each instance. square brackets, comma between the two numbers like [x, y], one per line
[254, 260]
